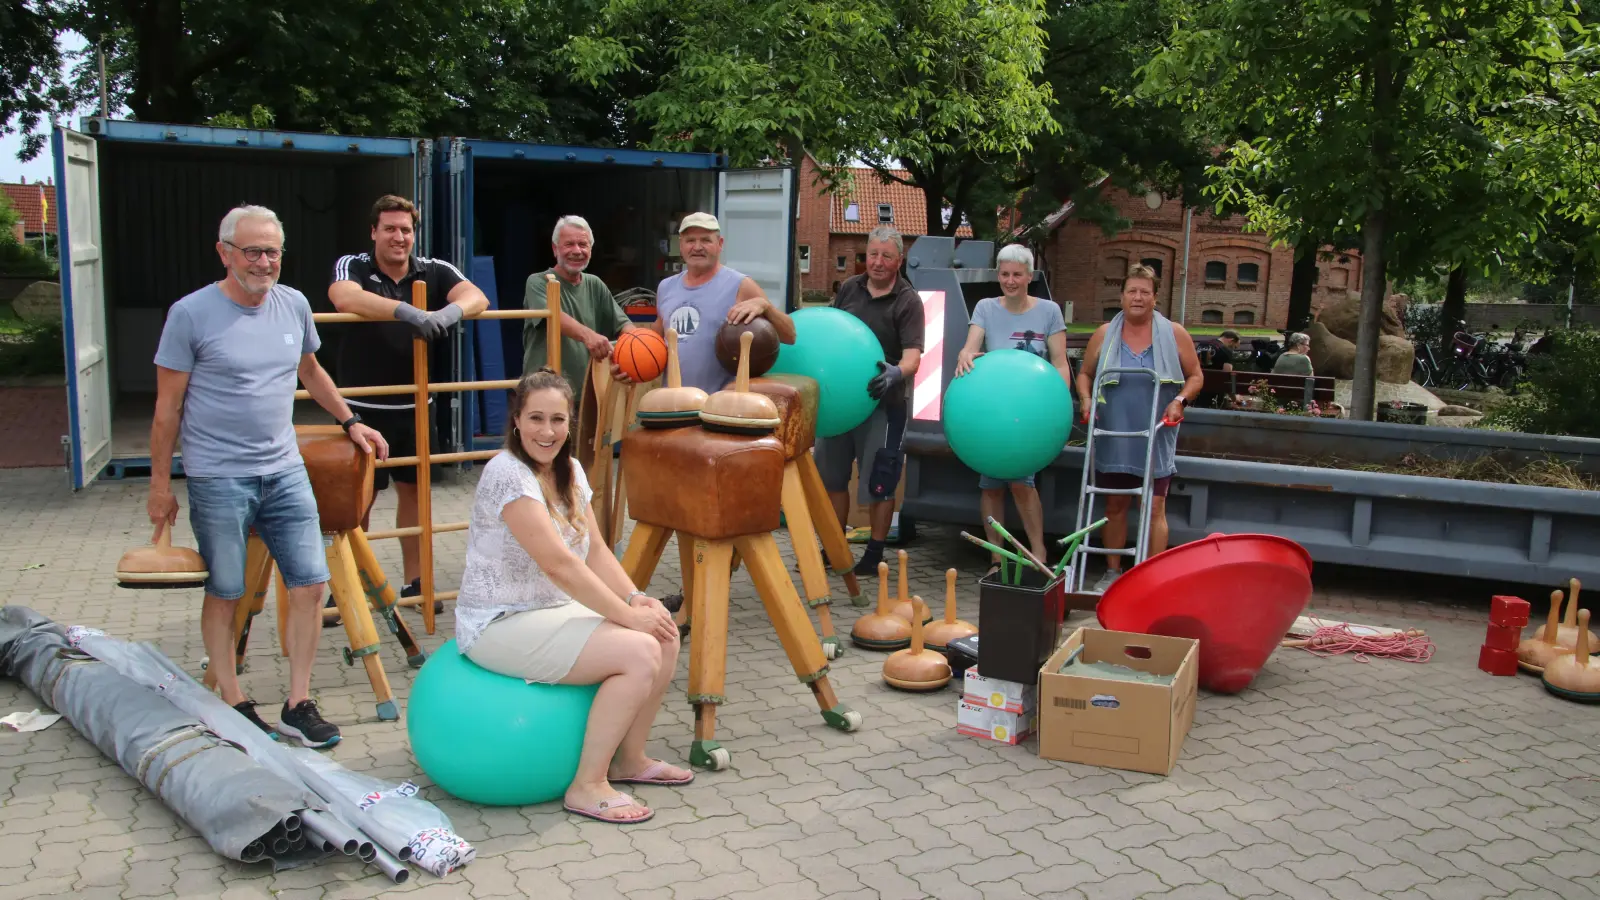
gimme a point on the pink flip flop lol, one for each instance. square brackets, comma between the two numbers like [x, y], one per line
[597, 812]
[647, 776]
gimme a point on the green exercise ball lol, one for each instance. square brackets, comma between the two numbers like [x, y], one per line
[842, 354]
[1009, 416]
[493, 739]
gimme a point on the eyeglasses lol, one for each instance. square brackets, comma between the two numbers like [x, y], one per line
[255, 253]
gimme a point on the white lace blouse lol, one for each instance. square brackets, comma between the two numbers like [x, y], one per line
[500, 577]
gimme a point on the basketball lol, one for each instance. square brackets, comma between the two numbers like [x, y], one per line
[763, 348]
[641, 354]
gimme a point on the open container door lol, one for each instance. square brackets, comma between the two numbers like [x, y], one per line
[756, 208]
[83, 306]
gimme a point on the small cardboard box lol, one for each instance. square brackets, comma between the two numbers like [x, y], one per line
[1007, 696]
[976, 720]
[1115, 723]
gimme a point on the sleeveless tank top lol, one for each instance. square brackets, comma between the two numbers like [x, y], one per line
[696, 313]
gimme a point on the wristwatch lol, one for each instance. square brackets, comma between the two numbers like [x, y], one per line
[1184, 400]
[354, 418]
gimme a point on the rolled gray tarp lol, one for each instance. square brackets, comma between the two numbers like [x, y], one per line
[228, 798]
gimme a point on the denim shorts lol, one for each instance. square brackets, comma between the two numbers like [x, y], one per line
[985, 483]
[283, 510]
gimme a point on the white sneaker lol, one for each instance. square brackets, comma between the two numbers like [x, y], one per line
[1106, 579]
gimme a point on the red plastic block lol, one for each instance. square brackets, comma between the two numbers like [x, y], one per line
[1497, 662]
[1506, 610]
[1503, 637]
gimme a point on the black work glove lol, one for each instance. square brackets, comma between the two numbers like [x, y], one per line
[888, 379]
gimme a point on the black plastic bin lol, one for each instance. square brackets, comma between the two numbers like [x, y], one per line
[1020, 625]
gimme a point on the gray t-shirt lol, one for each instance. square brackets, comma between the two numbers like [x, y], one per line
[1006, 330]
[696, 313]
[238, 412]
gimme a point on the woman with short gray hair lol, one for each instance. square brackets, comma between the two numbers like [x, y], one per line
[1296, 359]
[1015, 320]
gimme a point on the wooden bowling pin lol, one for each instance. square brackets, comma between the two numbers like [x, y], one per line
[1567, 634]
[881, 629]
[939, 634]
[916, 668]
[1575, 676]
[1536, 652]
[903, 608]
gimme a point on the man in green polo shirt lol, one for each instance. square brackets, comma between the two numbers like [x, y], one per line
[590, 317]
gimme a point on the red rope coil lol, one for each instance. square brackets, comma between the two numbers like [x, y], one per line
[1334, 640]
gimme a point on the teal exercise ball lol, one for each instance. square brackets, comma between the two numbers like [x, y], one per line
[493, 739]
[1008, 417]
[842, 354]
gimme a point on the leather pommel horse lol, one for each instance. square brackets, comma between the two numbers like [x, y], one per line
[720, 493]
[341, 479]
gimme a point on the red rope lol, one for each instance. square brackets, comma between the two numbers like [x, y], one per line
[1333, 640]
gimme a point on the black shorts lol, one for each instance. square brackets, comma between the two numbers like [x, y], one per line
[399, 428]
[1122, 481]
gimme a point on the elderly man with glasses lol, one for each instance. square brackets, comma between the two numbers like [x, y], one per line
[226, 368]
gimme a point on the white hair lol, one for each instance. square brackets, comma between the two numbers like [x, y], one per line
[886, 234]
[1299, 339]
[230, 222]
[571, 222]
[1015, 253]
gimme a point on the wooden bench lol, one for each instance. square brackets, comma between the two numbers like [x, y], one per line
[1302, 389]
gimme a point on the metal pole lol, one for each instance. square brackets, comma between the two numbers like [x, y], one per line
[1183, 291]
[1572, 284]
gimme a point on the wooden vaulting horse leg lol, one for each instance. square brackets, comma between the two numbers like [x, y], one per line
[833, 539]
[380, 594]
[352, 603]
[794, 629]
[813, 576]
[708, 649]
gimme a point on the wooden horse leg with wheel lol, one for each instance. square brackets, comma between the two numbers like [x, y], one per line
[827, 524]
[380, 593]
[813, 577]
[794, 629]
[708, 649]
[352, 604]
[257, 576]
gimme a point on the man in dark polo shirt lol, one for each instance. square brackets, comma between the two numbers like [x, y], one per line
[377, 285]
[883, 299]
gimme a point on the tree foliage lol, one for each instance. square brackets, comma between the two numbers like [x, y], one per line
[918, 82]
[1443, 132]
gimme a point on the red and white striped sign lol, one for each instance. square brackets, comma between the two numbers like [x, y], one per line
[925, 392]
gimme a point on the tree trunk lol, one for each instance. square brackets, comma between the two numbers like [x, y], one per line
[1301, 285]
[1455, 303]
[1363, 392]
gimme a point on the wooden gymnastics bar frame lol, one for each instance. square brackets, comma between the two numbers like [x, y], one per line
[419, 389]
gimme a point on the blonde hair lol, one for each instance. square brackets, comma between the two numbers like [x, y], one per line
[1140, 270]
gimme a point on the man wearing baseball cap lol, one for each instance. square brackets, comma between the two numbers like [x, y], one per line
[706, 294]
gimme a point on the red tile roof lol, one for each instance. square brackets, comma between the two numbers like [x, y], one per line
[25, 200]
[907, 203]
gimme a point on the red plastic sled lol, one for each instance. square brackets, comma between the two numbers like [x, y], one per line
[1235, 593]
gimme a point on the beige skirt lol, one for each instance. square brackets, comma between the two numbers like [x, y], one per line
[537, 645]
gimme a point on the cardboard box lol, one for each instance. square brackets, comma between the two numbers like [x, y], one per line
[975, 720]
[1116, 723]
[1008, 696]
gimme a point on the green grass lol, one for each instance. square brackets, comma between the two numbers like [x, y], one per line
[9, 323]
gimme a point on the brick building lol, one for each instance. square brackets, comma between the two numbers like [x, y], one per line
[36, 207]
[831, 231]
[1235, 277]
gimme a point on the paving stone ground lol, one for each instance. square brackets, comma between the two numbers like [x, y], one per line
[1328, 777]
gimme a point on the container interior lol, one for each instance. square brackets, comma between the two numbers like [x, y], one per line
[516, 203]
[161, 205]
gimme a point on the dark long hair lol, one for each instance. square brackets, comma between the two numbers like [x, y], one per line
[545, 379]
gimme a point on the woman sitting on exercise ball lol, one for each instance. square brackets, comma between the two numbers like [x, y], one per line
[543, 599]
[1015, 321]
